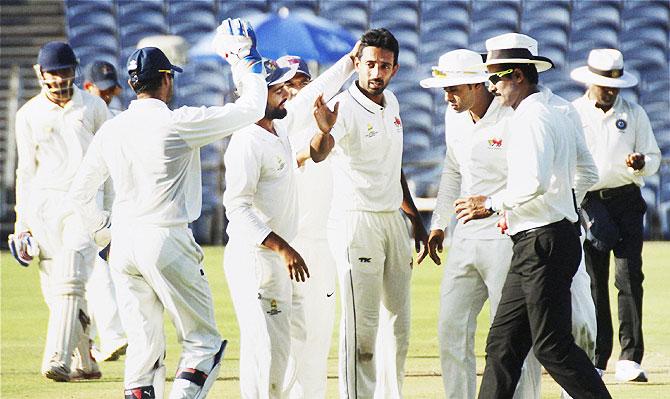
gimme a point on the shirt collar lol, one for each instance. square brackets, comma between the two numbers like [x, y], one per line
[147, 103]
[363, 101]
[526, 102]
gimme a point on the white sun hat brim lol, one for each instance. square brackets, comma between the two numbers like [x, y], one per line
[454, 79]
[586, 76]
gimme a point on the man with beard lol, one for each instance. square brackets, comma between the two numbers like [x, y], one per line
[152, 155]
[619, 135]
[53, 131]
[262, 206]
[366, 232]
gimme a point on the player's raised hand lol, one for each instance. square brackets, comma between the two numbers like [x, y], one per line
[297, 269]
[235, 41]
[354, 51]
[435, 240]
[325, 118]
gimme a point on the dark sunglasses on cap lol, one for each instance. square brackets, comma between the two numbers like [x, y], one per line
[496, 77]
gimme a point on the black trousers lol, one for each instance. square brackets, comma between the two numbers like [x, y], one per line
[535, 310]
[627, 213]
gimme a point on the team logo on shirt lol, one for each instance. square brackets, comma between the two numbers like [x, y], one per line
[397, 122]
[371, 131]
[621, 124]
[495, 143]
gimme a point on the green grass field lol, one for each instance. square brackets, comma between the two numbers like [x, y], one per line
[24, 320]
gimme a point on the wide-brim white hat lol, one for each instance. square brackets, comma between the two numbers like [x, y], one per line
[604, 68]
[456, 68]
[515, 48]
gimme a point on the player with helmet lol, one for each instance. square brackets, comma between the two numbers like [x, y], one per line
[152, 155]
[53, 131]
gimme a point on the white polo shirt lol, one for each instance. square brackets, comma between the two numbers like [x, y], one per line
[475, 164]
[543, 157]
[261, 195]
[51, 143]
[153, 156]
[612, 135]
[367, 157]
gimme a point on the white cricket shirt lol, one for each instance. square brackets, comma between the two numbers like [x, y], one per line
[367, 157]
[475, 164]
[152, 154]
[544, 155]
[612, 135]
[51, 143]
[261, 195]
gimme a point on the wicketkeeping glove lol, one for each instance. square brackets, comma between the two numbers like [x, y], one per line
[23, 247]
[235, 41]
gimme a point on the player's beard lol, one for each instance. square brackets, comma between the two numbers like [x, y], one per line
[272, 113]
[375, 89]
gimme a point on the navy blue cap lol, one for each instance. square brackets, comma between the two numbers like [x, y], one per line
[289, 60]
[150, 62]
[56, 55]
[101, 74]
[276, 74]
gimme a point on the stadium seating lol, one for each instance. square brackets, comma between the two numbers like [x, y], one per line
[567, 30]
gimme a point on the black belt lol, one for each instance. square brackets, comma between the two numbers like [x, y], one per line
[518, 236]
[608, 193]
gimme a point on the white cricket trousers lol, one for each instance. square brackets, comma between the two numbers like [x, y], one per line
[103, 308]
[313, 318]
[261, 291]
[65, 261]
[155, 269]
[373, 255]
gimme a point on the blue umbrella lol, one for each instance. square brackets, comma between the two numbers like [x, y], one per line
[312, 38]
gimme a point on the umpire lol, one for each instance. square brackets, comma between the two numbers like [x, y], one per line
[620, 138]
[545, 157]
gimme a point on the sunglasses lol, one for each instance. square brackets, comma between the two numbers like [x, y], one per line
[496, 77]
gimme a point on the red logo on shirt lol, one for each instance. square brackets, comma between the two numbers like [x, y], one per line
[397, 122]
[495, 142]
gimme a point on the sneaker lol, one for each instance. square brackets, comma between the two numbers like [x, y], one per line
[91, 373]
[57, 371]
[628, 370]
[110, 356]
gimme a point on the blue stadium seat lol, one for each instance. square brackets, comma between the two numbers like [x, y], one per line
[130, 11]
[92, 35]
[443, 31]
[191, 19]
[103, 20]
[654, 12]
[547, 12]
[352, 15]
[487, 28]
[83, 7]
[242, 8]
[597, 13]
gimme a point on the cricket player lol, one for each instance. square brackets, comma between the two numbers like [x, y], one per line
[315, 298]
[101, 80]
[261, 201]
[548, 167]
[152, 156]
[622, 142]
[53, 131]
[480, 255]
[367, 233]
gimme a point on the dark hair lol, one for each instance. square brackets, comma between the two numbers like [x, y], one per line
[145, 86]
[528, 70]
[381, 38]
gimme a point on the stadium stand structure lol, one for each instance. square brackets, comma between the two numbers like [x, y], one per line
[565, 29]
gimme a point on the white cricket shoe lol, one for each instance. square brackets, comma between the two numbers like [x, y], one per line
[628, 370]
